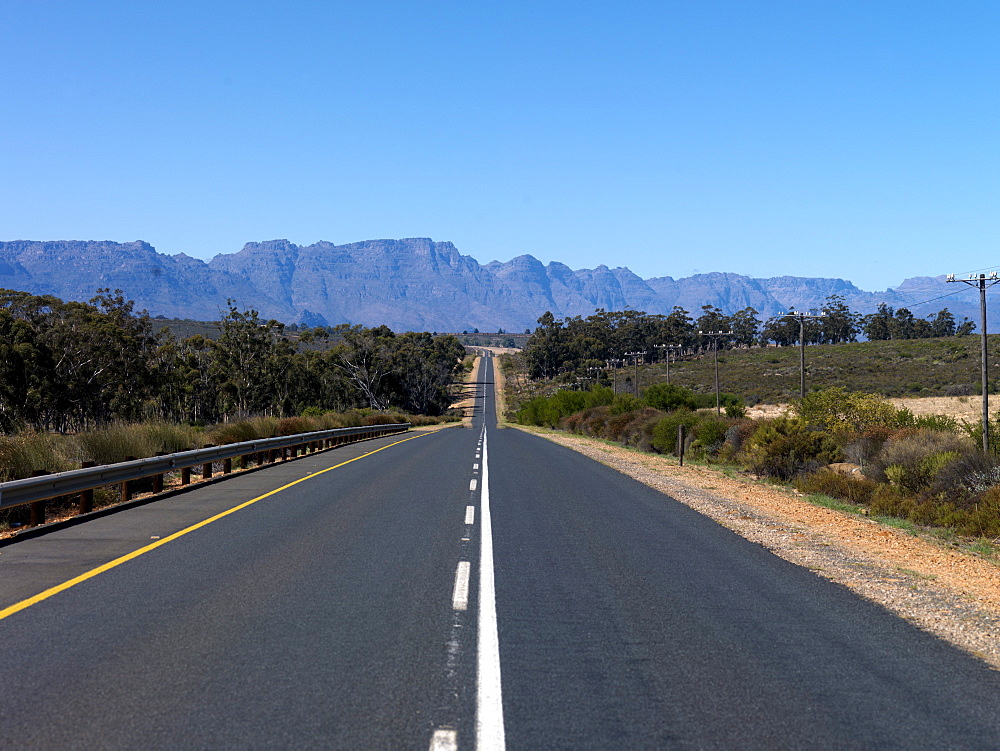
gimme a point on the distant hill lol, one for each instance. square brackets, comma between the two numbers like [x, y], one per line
[414, 284]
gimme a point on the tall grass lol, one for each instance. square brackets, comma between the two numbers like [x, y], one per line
[23, 454]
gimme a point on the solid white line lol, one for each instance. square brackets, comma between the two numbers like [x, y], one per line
[444, 740]
[470, 514]
[460, 597]
[472, 484]
[489, 700]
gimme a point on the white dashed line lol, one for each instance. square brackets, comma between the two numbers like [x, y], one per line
[444, 740]
[460, 597]
[475, 466]
[470, 514]
[473, 484]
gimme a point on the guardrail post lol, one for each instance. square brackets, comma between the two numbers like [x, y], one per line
[206, 469]
[227, 466]
[126, 490]
[158, 478]
[38, 507]
[86, 496]
[185, 475]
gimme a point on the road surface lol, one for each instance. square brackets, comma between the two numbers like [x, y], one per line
[470, 588]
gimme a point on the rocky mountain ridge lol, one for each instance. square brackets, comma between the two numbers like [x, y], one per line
[413, 284]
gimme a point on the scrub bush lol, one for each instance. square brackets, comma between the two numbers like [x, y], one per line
[664, 432]
[913, 461]
[785, 447]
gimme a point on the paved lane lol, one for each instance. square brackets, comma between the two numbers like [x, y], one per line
[627, 620]
[319, 617]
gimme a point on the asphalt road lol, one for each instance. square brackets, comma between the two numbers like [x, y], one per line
[469, 588]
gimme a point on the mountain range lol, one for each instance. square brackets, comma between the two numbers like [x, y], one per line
[415, 284]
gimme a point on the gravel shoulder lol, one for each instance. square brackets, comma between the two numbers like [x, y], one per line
[946, 591]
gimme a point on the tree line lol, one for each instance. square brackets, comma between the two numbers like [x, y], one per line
[576, 343]
[68, 366]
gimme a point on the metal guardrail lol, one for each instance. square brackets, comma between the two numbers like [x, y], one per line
[35, 490]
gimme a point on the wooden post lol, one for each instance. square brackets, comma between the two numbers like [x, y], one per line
[206, 469]
[681, 437]
[126, 493]
[227, 466]
[158, 478]
[185, 476]
[38, 507]
[86, 496]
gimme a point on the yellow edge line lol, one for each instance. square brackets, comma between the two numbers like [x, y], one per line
[17, 607]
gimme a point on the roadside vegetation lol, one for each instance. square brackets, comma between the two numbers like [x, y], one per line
[94, 382]
[68, 367]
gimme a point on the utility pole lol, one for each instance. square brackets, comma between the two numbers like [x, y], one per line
[595, 378]
[715, 336]
[668, 348]
[981, 283]
[802, 318]
[635, 360]
[613, 364]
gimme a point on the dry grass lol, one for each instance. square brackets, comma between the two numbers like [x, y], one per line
[967, 408]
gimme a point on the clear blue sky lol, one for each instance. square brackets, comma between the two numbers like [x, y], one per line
[850, 139]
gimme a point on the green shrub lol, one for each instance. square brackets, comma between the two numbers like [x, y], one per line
[975, 431]
[736, 436]
[785, 447]
[941, 423]
[983, 520]
[548, 411]
[736, 411]
[623, 403]
[912, 461]
[707, 400]
[836, 409]
[710, 434]
[668, 397]
[970, 474]
[638, 431]
[664, 431]
[889, 501]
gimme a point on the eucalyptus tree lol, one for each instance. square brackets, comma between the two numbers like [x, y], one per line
[243, 363]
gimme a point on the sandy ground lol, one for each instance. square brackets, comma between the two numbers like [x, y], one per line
[968, 408]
